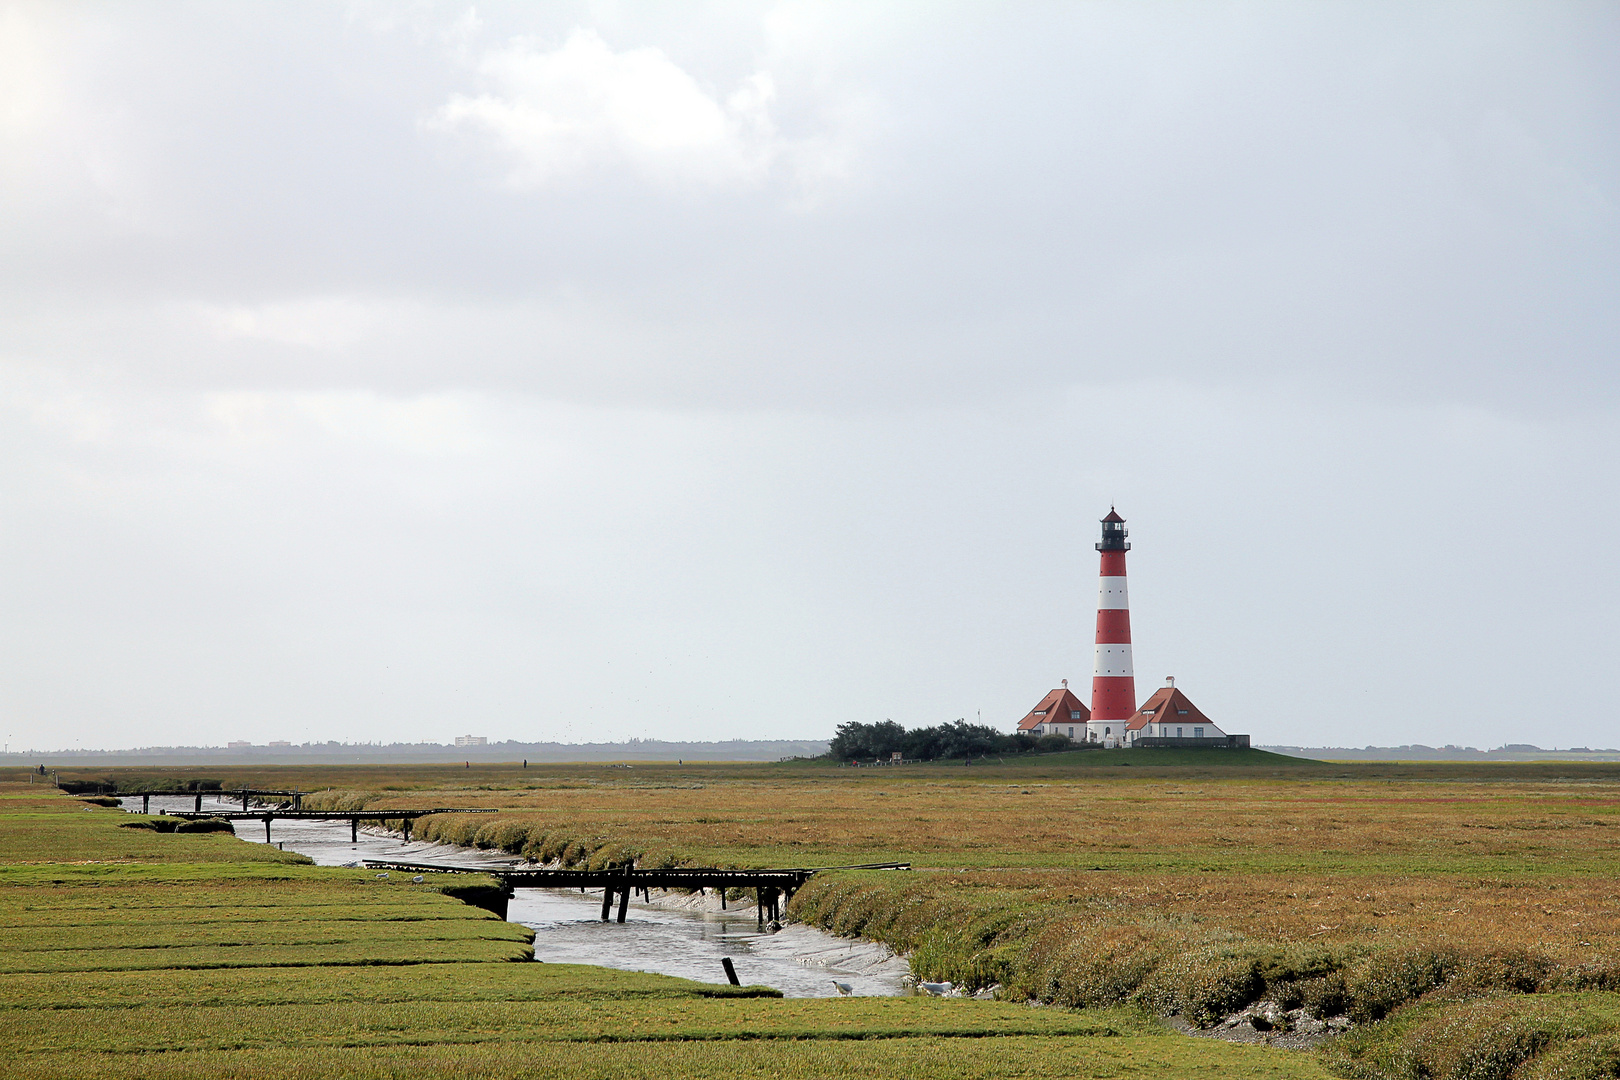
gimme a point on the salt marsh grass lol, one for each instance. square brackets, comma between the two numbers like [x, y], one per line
[1433, 904]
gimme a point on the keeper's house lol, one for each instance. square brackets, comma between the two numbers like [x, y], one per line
[1059, 713]
[1168, 718]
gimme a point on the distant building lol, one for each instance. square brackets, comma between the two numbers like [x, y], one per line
[237, 745]
[279, 742]
[1058, 713]
[1169, 715]
[471, 740]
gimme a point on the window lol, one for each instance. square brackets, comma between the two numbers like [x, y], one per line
[1108, 731]
[1040, 712]
[1178, 733]
[1181, 712]
[1198, 733]
[1071, 733]
[1074, 714]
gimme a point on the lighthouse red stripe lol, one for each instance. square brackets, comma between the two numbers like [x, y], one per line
[1113, 626]
[1112, 698]
[1113, 564]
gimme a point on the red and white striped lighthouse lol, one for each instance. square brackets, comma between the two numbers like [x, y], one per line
[1113, 682]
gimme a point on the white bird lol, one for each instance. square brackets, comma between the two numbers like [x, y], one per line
[418, 879]
[381, 876]
[936, 989]
[844, 989]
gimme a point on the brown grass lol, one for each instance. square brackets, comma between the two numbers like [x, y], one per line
[1391, 887]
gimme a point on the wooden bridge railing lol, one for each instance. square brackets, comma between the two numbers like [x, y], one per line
[353, 817]
[770, 886]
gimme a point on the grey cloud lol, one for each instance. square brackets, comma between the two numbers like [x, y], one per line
[310, 414]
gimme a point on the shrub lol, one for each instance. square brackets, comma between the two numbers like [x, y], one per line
[1596, 1058]
[1326, 996]
[156, 824]
[204, 825]
[1203, 985]
[1487, 1040]
[1391, 979]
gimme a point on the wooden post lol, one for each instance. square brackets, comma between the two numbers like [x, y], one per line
[298, 800]
[267, 828]
[722, 898]
[607, 900]
[244, 798]
[731, 972]
[198, 807]
[624, 893]
[146, 804]
[405, 824]
[354, 830]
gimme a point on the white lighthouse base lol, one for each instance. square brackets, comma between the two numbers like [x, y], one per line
[1106, 733]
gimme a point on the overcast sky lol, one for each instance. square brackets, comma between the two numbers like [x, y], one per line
[588, 371]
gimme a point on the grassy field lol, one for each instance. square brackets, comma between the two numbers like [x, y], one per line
[1432, 903]
[126, 952]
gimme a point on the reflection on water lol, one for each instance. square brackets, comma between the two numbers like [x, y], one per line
[567, 924]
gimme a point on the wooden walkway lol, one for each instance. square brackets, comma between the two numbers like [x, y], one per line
[771, 887]
[353, 817]
[244, 794]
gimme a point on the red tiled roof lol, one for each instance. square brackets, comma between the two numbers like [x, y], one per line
[1167, 698]
[1055, 707]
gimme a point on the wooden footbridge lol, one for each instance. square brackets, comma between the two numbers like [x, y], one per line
[771, 887]
[245, 794]
[353, 817]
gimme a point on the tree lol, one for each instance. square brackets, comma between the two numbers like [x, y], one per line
[858, 740]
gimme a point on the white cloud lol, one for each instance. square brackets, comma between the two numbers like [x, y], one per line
[324, 323]
[583, 106]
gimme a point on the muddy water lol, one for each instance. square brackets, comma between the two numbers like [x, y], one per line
[799, 961]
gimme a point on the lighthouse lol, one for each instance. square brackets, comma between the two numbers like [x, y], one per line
[1113, 682]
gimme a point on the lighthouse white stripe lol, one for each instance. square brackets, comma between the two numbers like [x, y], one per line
[1111, 594]
[1113, 660]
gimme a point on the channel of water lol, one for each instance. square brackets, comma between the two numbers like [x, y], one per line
[799, 960]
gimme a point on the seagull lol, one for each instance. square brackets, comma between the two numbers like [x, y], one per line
[935, 989]
[418, 879]
[844, 989]
[381, 876]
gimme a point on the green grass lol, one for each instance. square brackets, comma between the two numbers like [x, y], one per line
[581, 1017]
[126, 952]
[1004, 1057]
[1519, 1035]
[1464, 915]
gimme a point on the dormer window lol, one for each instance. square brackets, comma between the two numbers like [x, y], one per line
[1074, 714]
[1040, 712]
